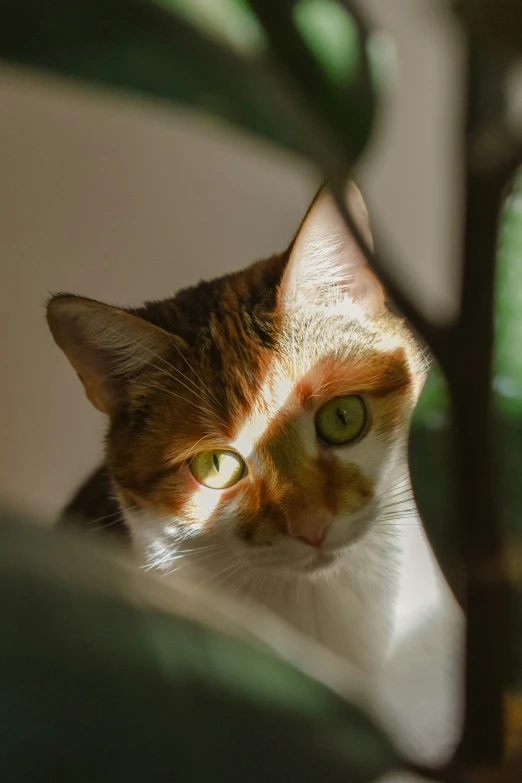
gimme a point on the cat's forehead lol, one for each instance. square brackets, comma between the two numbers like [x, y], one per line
[263, 366]
[249, 371]
[317, 359]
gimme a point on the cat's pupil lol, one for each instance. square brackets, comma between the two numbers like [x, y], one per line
[215, 460]
[341, 416]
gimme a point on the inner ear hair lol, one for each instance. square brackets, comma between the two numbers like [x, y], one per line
[106, 346]
[325, 257]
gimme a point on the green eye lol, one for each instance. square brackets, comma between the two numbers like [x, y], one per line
[341, 420]
[217, 469]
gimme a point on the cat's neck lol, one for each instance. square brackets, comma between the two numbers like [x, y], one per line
[385, 585]
[350, 611]
[388, 611]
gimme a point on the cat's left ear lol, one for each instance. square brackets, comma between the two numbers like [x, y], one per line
[107, 346]
[326, 256]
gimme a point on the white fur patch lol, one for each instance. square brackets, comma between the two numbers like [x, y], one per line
[373, 595]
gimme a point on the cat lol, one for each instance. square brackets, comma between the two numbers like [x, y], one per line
[258, 428]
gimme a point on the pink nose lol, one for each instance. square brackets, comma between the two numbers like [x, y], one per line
[309, 527]
[313, 540]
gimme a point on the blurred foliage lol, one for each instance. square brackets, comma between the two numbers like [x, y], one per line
[305, 75]
[217, 56]
[97, 687]
[225, 56]
[430, 467]
[508, 359]
[508, 389]
[431, 421]
[430, 448]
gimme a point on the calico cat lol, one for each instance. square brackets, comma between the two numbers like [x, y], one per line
[258, 428]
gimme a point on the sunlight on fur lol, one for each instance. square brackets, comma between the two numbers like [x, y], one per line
[297, 372]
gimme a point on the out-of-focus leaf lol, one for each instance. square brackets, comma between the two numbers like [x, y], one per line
[429, 442]
[330, 83]
[508, 362]
[230, 22]
[508, 389]
[138, 47]
[94, 687]
[431, 472]
[216, 57]
[332, 36]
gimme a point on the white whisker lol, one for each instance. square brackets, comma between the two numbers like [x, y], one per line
[207, 411]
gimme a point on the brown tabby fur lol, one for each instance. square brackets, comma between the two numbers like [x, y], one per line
[231, 316]
[214, 349]
[315, 527]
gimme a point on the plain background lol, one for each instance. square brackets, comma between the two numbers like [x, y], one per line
[127, 200]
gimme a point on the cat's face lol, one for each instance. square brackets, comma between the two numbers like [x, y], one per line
[260, 420]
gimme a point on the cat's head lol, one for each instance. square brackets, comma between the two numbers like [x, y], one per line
[264, 414]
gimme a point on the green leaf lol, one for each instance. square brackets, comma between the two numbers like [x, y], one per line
[432, 474]
[97, 687]
[331, 35]
[430, 451]
[508, 327]
[230, 22]
[508, 388]
[342, 93]
[219, 57]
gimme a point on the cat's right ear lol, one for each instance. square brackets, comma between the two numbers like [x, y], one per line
[325, 258]
[105, 345]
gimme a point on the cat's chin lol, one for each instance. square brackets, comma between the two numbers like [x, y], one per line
[319, 563]
[315, 564]
[322, 561]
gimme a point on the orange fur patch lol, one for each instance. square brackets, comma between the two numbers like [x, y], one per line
[200, 401]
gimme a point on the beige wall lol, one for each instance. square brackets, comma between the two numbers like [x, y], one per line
[124, 201]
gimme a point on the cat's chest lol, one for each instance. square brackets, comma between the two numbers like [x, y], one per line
[353, 621]
[400, 626]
